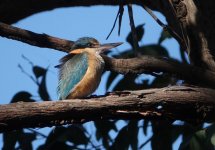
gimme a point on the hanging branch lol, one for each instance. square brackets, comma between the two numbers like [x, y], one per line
[133, 30]
[119, 15]
[114, 24]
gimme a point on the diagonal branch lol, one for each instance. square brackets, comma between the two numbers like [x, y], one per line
[40, 40]
[166, 27]
[140, 65]
[190, 104]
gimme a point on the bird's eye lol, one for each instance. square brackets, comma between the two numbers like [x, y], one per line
[89, 45]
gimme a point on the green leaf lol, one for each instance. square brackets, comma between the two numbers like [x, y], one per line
[22, 96]
[162, 135]
[200, 140]
[163, 81]
[127, 136]
[103, 127]
[24, 140]
[9, 140]
[122, 140]
[128, 83]
[39, 71]
[76, 135]
[210, 132]
[133, 134]
[213, 139]
[151, 49]
[110, 79]
[57, 135]
[164, 35]
[42, 89]
[140, 33]
[154, 50]
[58, 145]
[145, 126]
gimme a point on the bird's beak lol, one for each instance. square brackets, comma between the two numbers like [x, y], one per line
[108, 46]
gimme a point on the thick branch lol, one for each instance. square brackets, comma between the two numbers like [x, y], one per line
[176, 103]
[146, 64]
[40, 40]
[12, 11]
[140, 65]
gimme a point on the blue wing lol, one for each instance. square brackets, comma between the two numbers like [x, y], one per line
[71, 72]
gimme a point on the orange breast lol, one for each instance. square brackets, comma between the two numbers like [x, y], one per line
[91, 79]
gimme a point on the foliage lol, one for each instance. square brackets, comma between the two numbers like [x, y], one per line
[107, 133]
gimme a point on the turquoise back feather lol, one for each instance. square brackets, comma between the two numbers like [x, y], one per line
[71, 73]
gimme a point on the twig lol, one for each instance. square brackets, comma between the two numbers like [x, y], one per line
[28, 75]
[133, 30]
[147, 141]
[183, 32]
[119, 15]
[38, 133]
[114, 24]
[28, 60]
[166, 27]
[121, 11]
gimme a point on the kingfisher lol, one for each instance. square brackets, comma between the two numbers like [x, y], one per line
[80, 71]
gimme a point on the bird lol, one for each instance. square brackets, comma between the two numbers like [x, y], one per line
[80, 71]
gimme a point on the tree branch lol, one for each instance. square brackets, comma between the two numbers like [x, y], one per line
[190, 104]
[40, 40]
[139, 65]
[145, 64]
[24, 8]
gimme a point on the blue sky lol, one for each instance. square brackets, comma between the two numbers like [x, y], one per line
[68, 23]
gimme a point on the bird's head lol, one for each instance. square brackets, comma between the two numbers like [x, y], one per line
[91, 44]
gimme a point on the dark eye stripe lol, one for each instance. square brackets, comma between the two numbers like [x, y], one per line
[84, 45]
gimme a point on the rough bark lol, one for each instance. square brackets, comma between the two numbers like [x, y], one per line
[190, 104]
[193, 21]
[200, 32]
[39, 40]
